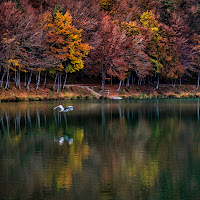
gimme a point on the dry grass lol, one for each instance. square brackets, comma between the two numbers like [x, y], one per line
[76, 92]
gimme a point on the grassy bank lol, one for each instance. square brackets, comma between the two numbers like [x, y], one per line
[78, 92]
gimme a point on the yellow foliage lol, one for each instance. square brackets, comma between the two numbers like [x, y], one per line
[106, 5]
[65, 42]
[148, 20]
[131, 28]
[157, 52]
[40, 69]
[13, 63]
[8, 41]
[155, 29]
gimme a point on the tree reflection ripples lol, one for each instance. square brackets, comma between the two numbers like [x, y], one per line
[127, 149]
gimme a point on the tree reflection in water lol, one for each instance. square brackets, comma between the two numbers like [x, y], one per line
[103, 150]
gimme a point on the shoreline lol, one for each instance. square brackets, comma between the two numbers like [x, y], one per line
[80, 92]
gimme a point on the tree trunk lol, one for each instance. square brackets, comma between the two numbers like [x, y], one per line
[138, 81]
[132, 79]
[198, 79]
[158, 79]
[103, 78]
[65, 81]
[25, 80]
[7, 80]
[45, 77]
[120, 83]
[148, 80]
[38, 80]
[123, 82]
[180, 81]
[111, 80]
[60, 80]
[29, 81]
[173, 83]
[1, 82]
[15, 78]
[58, 88]
[18, 79]
[128, 80]
[54, 85]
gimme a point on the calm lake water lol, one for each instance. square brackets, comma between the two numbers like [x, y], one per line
[109, 149]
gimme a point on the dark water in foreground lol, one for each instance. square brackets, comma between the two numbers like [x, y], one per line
[101, 150]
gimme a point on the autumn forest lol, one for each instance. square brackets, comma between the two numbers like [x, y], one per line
[123, 40]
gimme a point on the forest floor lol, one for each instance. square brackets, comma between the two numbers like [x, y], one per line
[93, 91]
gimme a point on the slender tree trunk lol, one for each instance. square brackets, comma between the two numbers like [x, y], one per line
[19, 82]
[180, 81]
[58, 88]
[65, 80]
[111, 80]
[123, 82]
[1, 82]
[60, 80]
[198, 79]
[54, 85]
[128, 80]
[38, 80]
[45, 77]
[7, 80]
[158, 79]
[173, 83]
[25, 80]
[29, 81]
[103, 78]
[15, 78]
[132, 79]
[120, 83]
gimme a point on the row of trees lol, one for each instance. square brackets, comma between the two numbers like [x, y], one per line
[121, 39]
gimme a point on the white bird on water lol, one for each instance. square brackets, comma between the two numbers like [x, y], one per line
[62, 109]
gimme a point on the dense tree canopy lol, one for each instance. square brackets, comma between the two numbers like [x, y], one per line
[147, 40]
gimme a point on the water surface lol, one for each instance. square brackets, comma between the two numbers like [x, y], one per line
[145, 149]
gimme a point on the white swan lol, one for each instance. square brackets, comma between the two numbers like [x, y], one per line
[62, 109]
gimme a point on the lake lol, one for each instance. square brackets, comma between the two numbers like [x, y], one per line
[108, 149]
